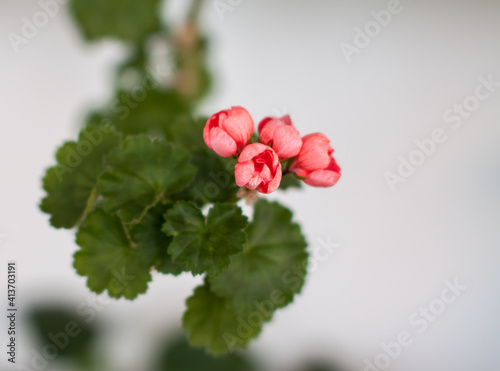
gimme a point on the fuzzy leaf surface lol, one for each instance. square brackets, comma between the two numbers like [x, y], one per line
[107, 258]
[71, 184]
[152, 243]
[272, 267]
[211, 323]
[142, 171]
[205, 244]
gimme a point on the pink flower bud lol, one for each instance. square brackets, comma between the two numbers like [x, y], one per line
[228, 131]
[315, 162]
[258, 167]
[280, 134]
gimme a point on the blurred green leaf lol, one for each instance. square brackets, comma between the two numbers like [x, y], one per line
[272, 267]
[70, 185]
[321, 366]
[163, 113]
[135, 62]
[187, 132]
[142, 172]
[152, 112]
[211, 323]
[107, 258]
[289, 181]
[61, 327]
[205, 244]
[180, 356]
[127, 20]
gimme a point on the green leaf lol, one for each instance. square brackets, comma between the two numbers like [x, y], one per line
[70, 185]
[180, 356]
[128, 20]
[187, 132]
[142, 172]
[273, 265]
[133, 68]
[152, 243]
[156, 113]
[205, 244]
[161, 113]
[107, 258]
[211, 323]
[290, 181]
[214, 181]
[49, 319]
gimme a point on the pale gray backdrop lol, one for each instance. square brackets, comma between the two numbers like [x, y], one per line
[394, 249]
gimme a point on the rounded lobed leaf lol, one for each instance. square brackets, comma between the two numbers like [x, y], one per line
[272, 267]
[141, 172]
[152, 243]
[211, 323]
[107, 259]
[71, 184]
[205, 244]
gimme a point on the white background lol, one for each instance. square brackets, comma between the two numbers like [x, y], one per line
[395, 248]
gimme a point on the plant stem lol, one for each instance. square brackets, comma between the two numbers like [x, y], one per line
[195, 10]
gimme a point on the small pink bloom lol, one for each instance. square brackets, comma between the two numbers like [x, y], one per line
[228, 131]
[258, 167]
[315, 162]
[280, 134]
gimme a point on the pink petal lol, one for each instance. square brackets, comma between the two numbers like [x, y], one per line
[222, 143]
[252, 150]
[243, 173]
[266, 135]
[264, 122]
[302, 173]
[239, 125]
[212, 122]
[333, 166]
[274, 159]
[286, 120]
[317, 140]
[314, 154]
[254, 182]
[322, 178]
[265, 174]
[206, 135]
[273, 184]
[287, 141]
[270, 158]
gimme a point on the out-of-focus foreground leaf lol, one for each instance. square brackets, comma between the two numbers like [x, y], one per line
[180, 356]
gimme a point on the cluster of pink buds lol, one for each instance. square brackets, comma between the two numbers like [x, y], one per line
[281, 150]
